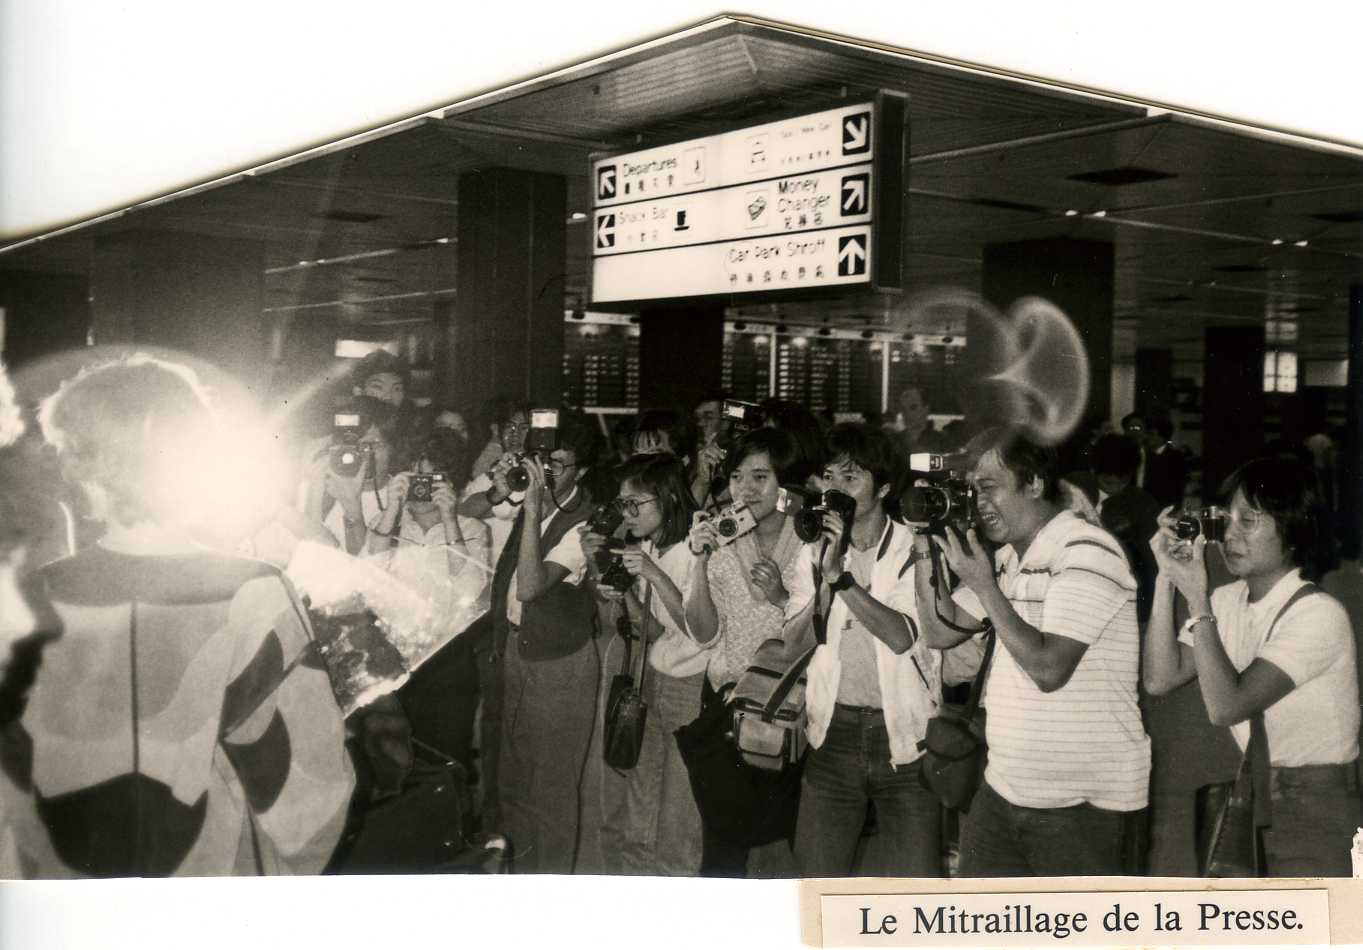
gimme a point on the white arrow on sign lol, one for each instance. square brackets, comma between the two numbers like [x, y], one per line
[605, 231]
[854, 194]
[606, 183]
[854, 131]
[851, 256]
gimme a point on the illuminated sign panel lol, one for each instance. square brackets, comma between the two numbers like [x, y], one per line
[785, 206]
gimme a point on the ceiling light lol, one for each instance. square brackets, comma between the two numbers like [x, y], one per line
[1301, 243]
[1100, 214]
[442, 240]
[1071, 213]
[578, 215]
[1277, 241]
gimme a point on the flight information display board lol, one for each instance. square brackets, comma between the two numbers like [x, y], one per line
[799, 204]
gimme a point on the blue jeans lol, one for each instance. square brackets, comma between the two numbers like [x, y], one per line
[1000, 839]
[851, 769]
[1315, 814]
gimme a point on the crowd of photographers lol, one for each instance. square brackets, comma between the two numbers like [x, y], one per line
[710, 643]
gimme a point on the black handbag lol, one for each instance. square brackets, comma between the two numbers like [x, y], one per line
[626, 711]
[740, 803]
[954, 748]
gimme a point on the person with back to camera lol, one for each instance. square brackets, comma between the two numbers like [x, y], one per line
[203, 739]
[1069, 761]
[874, 683]
[659, 821]
[738, 596]
[1275, 644]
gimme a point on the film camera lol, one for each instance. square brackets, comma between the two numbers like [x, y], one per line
[948, 500]
[421, 487]
[742, 417]
[807, 508]
[1209, 522]
[347, 455]
[540, 441]
[733, 522]
[606, 520]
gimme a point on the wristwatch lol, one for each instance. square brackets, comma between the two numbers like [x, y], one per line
[844, 581]
[1192, 622]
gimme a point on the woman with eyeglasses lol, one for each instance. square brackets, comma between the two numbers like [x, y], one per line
[657, 824]
[737, 601]
[1275, 644]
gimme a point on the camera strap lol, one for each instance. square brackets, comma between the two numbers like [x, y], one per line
[937, 600]
[820, 614]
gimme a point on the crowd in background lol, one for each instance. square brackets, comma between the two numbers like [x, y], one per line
[164, 708]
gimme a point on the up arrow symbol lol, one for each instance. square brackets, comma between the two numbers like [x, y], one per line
[851, 256]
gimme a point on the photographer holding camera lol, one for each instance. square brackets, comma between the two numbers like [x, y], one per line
[1069, 761]
[346, 471]
[873, 682]
[539, 711]
[657, 824]
[1273, 644]
[738, 591]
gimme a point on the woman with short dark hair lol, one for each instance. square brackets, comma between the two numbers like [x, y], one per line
[1272, 644]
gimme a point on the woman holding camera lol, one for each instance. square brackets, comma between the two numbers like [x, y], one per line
[1273, 644]
[658, 823]
[738, 593]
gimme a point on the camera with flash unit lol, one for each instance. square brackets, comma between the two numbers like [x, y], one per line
[742, 417]
[948, 499]
[1209, 522]
[806, 510]
[346, 454]
[541, 442]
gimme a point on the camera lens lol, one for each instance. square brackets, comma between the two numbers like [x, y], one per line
[1187, 528]
[518, 479]
[727, 527]
[808, 525]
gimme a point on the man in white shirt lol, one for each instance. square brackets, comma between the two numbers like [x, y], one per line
[1069, 761]
[873, 685]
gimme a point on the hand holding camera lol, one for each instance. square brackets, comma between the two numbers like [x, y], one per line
[398, 490]
[702, 538]
[1181, 561]
[444, 497]
[968, 558]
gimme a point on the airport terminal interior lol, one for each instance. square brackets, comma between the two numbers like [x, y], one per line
[753, 210]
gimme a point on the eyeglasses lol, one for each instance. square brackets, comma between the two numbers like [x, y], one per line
[630, 506]
[557, 466]
[1247, 522]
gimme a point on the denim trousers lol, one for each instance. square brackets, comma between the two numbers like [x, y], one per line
[660, 820]
[1000, 839]
[1314, 821]
[842, 776]
[547, 712]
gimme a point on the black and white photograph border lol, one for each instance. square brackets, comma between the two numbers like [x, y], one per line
[147, 110]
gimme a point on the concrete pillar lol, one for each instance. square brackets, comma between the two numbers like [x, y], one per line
[1074, 275]
[1351, 467]
[1232, 402]
[504, 335]
[1154, 382]
[681, 352]
[189, 292]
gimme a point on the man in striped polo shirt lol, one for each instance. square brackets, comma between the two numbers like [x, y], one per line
[1069, 761]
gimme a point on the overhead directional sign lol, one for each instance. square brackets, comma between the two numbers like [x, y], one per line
[788, 205]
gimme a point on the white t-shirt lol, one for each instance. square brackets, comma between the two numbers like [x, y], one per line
[567, 553]
[1083, 742]
[1313, 643]
[503, 515]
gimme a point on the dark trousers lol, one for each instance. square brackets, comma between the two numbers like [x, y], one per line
[1000, 839]
[490, 662]
[850, 770]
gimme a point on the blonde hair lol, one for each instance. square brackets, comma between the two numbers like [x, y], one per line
[124, 426]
